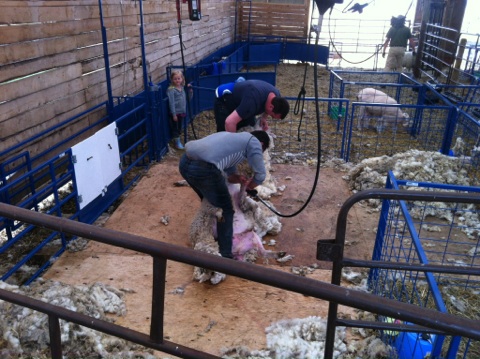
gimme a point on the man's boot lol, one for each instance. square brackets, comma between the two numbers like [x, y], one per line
[178, 144]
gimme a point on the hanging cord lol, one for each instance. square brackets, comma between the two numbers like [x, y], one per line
[409, 7]
[346, 7]
[179, 22]
[302, 93]
[187, 90]
[356, 7]
[124, 38]
[339, 54]
[319, 143]
[301, 97]
[301, 100]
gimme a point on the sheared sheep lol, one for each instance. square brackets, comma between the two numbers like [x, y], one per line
[385, 115]
[202, 238]
[250, 223]
[408, 60]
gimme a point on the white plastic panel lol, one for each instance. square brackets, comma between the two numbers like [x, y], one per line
[97, 163]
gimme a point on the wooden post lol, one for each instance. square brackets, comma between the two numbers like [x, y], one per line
[422, 13]
[458, 60]
[453, 19]
[418, 58]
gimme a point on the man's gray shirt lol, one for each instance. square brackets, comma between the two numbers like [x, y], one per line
[226, 150]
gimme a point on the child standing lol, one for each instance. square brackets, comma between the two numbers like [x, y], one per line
[177, 100]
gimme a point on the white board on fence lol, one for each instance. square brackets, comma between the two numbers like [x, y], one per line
[97, 164]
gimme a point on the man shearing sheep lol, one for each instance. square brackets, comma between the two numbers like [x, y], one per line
[208, 162]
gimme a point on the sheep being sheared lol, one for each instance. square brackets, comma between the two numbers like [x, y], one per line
[386, 116]
[249, 224]
[269, 186]
[202, 237]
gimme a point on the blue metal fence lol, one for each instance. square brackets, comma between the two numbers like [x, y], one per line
[441, 118]
[467, 136]
[50, 186]
[347, 83]
[428, 233]
[40, 189]
[143, 132]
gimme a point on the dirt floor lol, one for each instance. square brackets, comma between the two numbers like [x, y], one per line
[235, 312]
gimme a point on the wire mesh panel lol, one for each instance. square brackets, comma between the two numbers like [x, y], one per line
[374, 133]
[376, 130]
[465, 97]
[461, 94]
[431, 125]
[399, 86]
[310, 134]
[444, 234]
[47, 188]
[304, 136]
[467, 142]
[339, 79]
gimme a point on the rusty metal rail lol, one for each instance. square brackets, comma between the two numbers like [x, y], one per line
[161, 252]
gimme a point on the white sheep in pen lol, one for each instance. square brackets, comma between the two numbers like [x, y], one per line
[386, 116]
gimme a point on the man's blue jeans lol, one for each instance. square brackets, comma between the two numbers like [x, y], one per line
[209, 183]
[223, 107]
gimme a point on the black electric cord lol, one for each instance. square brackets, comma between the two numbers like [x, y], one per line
[187, 90]
[300, 100]
[254, 195]
[340, 54]
[301, 95]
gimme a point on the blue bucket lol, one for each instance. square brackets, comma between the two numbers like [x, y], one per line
[414, 345]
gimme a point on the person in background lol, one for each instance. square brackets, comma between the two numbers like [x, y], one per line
[209, 162]
[177, 102]
[397, 37]
[227, 88]
[236, 106]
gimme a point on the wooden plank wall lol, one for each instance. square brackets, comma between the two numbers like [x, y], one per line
[52, 65]
[273, 19]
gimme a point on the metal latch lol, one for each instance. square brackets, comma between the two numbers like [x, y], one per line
[328, 250]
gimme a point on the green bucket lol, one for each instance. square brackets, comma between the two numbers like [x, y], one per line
[334, 112]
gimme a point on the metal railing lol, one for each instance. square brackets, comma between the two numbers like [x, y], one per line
[162, 252]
